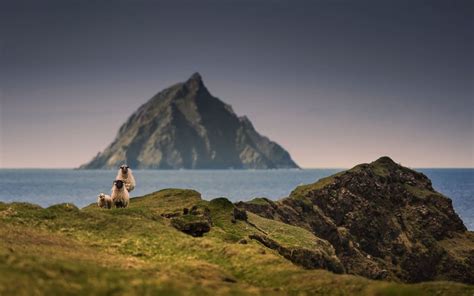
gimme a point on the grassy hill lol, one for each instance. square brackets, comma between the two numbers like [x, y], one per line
[64, 250]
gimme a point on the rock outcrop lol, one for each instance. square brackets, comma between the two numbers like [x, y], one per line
[195, 222]
[385, 221]
[307, 258]
[184, 126]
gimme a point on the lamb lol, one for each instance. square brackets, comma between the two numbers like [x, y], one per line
[120, 196]
[104, 201]
[125, 174]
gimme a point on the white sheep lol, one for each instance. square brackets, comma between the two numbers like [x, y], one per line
[104, 201]
[120, 196]
[125, 174]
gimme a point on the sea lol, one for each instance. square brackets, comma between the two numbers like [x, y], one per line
[46, 187]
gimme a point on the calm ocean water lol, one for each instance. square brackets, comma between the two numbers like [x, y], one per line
[49, 186]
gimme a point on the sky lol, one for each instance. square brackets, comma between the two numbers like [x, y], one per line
[336, 83]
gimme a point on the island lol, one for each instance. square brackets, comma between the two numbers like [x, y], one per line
[185, 127]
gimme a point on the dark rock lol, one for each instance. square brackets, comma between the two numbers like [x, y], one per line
[192, 227]
[194, 210]
[243, 241]
[240, 214]
[195, 221]
[229, 280]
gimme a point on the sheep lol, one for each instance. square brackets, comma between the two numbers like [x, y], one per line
[104, 201]
[120, 196]
[125, 174]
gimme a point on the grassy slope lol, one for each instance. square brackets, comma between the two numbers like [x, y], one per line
[377, 166]
[64, 250]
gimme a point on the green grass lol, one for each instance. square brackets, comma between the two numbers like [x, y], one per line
[302, 190]
[380, 170]
[288, 235]
[63, 250]
[379, 167]
[258, 201]
[419, 192]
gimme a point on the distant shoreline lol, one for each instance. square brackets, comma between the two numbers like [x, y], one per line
[289, 169]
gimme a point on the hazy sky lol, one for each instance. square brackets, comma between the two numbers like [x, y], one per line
[334, 82]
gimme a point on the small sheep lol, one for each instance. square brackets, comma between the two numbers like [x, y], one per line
[120, 196]
[125, 174]
[104, 201]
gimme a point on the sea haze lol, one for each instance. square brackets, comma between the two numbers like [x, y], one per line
[51, 186]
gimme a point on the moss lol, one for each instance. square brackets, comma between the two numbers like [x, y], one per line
[380, 170]
[303, 190]
[222, 203]
[167, 199]
[417, 191]
[258, 201]
[93, 251]
[380, 167]
[458, 245]
[288, 235]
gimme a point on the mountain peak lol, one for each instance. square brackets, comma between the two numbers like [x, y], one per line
[195, 81]
[196, 76]
[385, 160]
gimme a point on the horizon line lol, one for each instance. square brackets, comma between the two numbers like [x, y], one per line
[229, 169]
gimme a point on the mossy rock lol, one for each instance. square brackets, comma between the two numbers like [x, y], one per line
[192, 225]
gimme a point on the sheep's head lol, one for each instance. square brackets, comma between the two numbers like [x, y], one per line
[101, 200]
[118, 184]
[124, 168]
